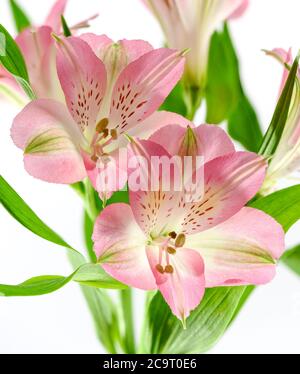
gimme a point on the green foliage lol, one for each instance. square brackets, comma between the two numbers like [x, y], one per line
[13, 61]
[225, 97]
[20, 18]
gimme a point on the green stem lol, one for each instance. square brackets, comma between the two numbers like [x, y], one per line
[193, 98]
[127, 309]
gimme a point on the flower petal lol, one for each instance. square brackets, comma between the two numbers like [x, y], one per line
[156, 125]
[38, 50]
[184, 288]
[120, 247]
[153, 198]
[142, 87]
[242, 250]
[240, 10]
[211, 141]
[50, 140]
[83, 79]
[54, 17]
[230, 182]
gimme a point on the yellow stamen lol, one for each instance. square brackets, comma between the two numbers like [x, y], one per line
[172, 235]
[114, 134]
[171, 250]
[102, 125]
[169, 269]
[160, 269]
[180, 241]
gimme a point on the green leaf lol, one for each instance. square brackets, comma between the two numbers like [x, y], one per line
[277, 125]
[175, 101]
[283, 206]
[243, 125]
[17, 207]
[20, 18]
[67, 31]
[291, 258]
[87, 275]
[94, 276]
[35, 286]
[119, 197]
[13, 61]
[206, 324]
[225, 97]
[88, 227]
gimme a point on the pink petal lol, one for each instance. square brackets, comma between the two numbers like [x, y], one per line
[98, 43]
[241, 250]
[135, 48]
[230, 182]
[156, 126]
[240, 10]
[83, 79]
[50, 139]
[184, 288]
[8, 82]
[212, 141]
[142, 87]
[152, 205]
[120, 247]
[54, 17]
[38, 50]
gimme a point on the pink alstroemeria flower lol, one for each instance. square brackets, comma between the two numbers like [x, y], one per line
[38, 48]
[163, 242]
[110, 89]
[190, 24]
[286, 160]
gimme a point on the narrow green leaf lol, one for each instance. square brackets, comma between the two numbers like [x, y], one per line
[94, 276]
[13, 61]
[88, 227]
[175, 101]
[225, 96]
[275, 130]
[283, 206]
[291, 258]
[206, 324]
[67, 31]
[91, 275]
[35, 286]
[243, 125]
[17, 207]
[20, 18]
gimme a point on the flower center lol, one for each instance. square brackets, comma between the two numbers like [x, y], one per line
[168, 246]
[102, 138]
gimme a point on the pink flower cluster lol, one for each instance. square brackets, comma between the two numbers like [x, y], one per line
[94, 97]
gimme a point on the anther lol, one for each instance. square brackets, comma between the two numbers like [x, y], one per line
[94, 158]
[105, 133]
[180, 241]
[172, 234]
[171, 250]
[102, 125]
[114, 134]
[169, 269]
[160, 269]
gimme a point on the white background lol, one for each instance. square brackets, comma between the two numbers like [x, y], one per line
[60, 322]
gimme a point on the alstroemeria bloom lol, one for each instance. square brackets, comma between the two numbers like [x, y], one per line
[163, 242]
[110, 89]
[286, 160]
[38, 48]
[190, 24]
